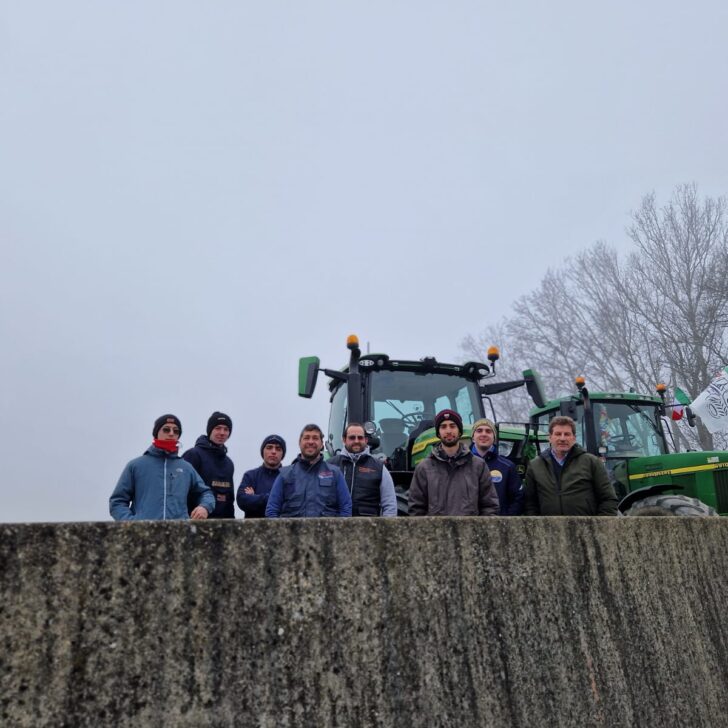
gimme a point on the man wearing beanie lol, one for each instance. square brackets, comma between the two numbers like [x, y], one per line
[369, 482]
[210, 459]
[451, 481]
[502, 471]
[156, 485]
[256, 484]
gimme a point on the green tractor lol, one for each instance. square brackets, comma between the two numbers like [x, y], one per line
[396, 401]
[629, 432]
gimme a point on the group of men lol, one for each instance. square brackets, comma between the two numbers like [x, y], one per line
[162, 484]
[453, 480]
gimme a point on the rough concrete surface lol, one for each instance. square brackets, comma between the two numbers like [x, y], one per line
[365, 622]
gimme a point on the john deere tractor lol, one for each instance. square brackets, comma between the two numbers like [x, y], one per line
[629, 432]
[396, 400]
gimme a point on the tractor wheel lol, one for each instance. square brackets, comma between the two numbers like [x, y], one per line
[670, 505]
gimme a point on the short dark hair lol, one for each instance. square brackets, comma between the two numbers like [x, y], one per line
[562, 422]
[312, 428]
[353, 424]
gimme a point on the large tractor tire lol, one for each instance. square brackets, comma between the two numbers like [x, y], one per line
[669, 505]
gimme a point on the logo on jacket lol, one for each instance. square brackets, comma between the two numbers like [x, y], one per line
[496, 476]
[325, 474]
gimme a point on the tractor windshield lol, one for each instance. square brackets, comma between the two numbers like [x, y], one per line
[401, 403]
[624, 430]
[627, 430]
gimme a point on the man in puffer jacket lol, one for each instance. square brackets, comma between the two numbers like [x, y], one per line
[565, 480]
[210, 459]
[309, 487]
[156, 485]
[451, 481]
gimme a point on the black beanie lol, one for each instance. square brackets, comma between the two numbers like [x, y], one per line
[273, 440]
[218, 418]
[165, 420]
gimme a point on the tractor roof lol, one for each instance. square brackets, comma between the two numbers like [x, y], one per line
[473, 371]
[629, 397]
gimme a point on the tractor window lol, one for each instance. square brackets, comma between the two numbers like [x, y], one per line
[628, 430]
[400, 401]
[337, 418]
[625, 429]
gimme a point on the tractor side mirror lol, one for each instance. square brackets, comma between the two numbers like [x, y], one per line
[534, 387]
[308, 369]
[690, 416]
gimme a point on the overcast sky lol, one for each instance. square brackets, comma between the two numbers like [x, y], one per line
[194, 195]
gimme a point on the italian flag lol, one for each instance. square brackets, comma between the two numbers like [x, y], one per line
[678, 406]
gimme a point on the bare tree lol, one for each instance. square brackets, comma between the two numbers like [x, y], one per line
[658, 315]
[682, 249]
[515, 404]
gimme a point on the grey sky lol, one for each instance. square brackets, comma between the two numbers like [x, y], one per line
[193, 195]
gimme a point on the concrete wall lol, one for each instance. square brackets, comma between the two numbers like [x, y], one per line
[403, 622]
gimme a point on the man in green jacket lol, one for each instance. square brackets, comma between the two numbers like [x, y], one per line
[566, 480]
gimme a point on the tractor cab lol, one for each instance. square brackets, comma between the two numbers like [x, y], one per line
[627, 431]
[615, 427]
[397, 400]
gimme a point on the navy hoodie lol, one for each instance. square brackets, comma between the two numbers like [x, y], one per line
[216, 469]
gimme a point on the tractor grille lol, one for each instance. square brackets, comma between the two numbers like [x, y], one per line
[721, 490]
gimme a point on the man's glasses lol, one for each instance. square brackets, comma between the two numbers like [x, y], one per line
[356, 437]
[170, 430]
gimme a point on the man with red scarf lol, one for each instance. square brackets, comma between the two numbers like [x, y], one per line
[156, 485]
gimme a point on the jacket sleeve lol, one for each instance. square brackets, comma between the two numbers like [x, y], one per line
[343, 496]
[514, 491]
[488, 503]
[417, 498]
[387, 495]
[252, 505]
[201, 494]
[603, 489]
[275, 499]
[530, 493]
[122, 497]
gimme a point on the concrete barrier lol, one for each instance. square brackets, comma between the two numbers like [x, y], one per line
[365, 622]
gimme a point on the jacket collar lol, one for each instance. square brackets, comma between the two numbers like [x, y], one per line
[457, 459]
[354, 456]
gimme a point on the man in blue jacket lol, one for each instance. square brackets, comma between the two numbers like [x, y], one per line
[210, 459]
[156, 485]
[256, 484]
[502, 471]
[309, 487]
